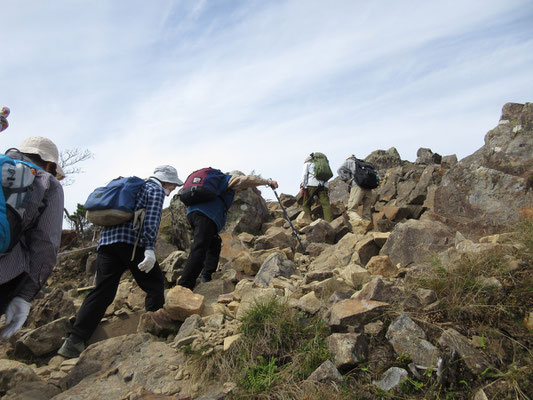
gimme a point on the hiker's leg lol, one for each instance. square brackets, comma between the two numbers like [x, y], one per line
[367, 204]
[212, 257]
[356, 195]
[108, 273]
[323, 197]
[204, 230]
[306, 205]
[152, 283]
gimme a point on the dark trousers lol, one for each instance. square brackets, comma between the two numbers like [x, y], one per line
[205, 250]
[111, 263]
[9, 289]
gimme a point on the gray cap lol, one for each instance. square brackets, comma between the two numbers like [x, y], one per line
[167, 173]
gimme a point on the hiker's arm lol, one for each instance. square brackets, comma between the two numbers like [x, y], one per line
[152, 219]
[345, 172]
[305, 175]
[44, 240]
[247, 181]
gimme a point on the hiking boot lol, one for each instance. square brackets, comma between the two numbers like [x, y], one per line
[71, 349]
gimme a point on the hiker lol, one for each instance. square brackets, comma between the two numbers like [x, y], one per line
[315, 184]
[118, 251]
[358, 194]
[26, 267]
[207, 219]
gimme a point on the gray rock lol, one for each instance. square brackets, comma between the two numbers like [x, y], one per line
[391, 379]
[408, 338]
[13, 373]
[449, 161]
[319, 231]
[47, 338]
[275, 237]
[426, 156]
[173, 265]
[129, 362]
[276, 264]
[211, 291]
[414, 241]
[36, 390]
[367, 248]
[379, 290]
[353, 312]
[189, 326]
[348, 349]
[384, 159]
[327, 372]
[53, 306]
[474, 359]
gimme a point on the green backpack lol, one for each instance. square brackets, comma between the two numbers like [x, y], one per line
[322, 169]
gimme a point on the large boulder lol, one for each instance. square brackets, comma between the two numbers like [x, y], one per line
[484, 192]
[415, 241]
[509, 146]
[248, 211]
[181, 231]
[339, 191]
[384, 159]
[479, 201]
[113, 368]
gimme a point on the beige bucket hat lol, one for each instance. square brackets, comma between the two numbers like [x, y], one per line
[45, 148]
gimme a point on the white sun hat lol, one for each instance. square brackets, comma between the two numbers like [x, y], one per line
[167, 173]
[44, 148]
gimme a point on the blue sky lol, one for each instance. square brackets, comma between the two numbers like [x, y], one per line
[258, 85]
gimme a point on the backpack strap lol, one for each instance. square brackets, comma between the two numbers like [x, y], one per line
[138, 223]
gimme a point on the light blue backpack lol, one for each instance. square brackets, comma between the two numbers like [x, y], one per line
[17, 181]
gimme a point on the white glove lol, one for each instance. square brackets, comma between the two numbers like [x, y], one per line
[148, 263]
[16, 313]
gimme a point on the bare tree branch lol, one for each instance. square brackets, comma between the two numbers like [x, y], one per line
[70, 157]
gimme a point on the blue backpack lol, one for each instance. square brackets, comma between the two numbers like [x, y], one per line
[17, 180]
[114, 203]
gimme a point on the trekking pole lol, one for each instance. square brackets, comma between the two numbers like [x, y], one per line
[289, 220]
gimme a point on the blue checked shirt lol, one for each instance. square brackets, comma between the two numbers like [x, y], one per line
[151, 197]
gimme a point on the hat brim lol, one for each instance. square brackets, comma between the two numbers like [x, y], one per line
[60, 174]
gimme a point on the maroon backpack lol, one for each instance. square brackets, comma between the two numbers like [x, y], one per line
[203, 185]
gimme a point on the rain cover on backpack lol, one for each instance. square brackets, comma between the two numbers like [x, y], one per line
[17, 181]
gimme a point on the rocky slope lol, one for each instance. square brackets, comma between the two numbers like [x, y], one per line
[440, 283]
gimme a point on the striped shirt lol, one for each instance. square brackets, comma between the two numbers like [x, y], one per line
[150, 197]
[36, 252]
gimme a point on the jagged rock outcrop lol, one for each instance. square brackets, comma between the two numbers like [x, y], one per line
[385, 159]
[484, 192]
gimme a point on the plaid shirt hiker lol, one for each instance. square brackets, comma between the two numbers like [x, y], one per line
[151, 197]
